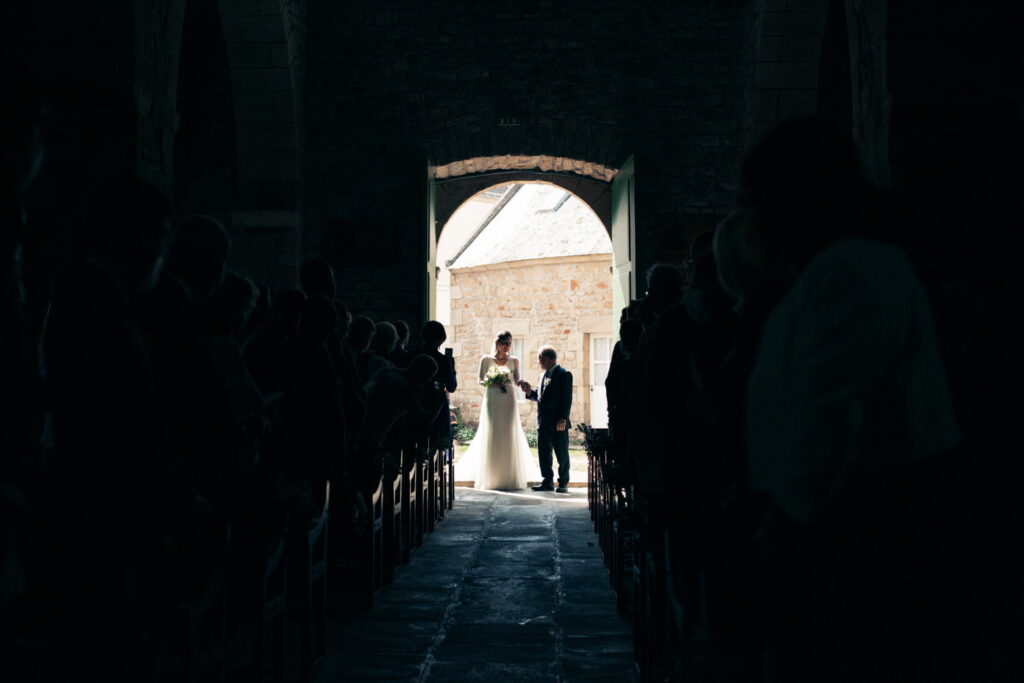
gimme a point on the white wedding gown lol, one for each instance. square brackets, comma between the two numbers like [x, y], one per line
[499, 455]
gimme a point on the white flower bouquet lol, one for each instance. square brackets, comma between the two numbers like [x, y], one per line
[499, 377]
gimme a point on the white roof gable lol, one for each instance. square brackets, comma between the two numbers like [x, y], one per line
[540, 221]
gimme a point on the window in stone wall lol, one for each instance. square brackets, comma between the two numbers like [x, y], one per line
[558, 201]
[494, 194]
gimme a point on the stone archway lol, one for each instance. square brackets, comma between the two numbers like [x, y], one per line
[798, 53]
[788, 62]
[534, 259]
[459, 180]
[265, 48]
[205, 160]
[450, 185]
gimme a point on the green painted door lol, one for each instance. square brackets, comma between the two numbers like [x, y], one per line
[429, 306]
[623, 240]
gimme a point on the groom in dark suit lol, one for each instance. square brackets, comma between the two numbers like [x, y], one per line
[554, 400]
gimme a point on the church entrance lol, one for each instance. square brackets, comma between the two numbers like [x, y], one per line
[533, 259]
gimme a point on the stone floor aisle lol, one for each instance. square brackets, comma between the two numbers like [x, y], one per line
[511, 586]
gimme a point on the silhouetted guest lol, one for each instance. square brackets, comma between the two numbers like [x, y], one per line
[344, 318]
[224, 316]
[113, 498]
[21, 156]
[664, 289]
[394, 394]
[383, 342]
[617, 381]
[316, 420]
[357, 342]
[400, 355]
[353, 395]
[267, 356]
[433, 335]
[691, 341]
[260, 311]
[266, 350]
[742, 604]
[317, 278]
[665, 284]
[422, 373]
[256, 517]
[846, 402]
[194, 391]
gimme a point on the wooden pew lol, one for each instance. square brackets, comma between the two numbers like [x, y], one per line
[450, 474]
[652, 617]
[376, 549]
[306, 551]
[202, 625]
[392, 527]
[442, 482]
[410, 494]
[359, 548]
[437, 464]
[596, 443]
[268, 621]
[432, 495]
[423, 505]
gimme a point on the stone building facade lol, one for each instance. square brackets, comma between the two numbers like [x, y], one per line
[564, 301]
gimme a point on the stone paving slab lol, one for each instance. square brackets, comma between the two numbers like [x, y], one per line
[510, 587]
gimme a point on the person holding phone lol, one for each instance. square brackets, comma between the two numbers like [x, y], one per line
[433, 335]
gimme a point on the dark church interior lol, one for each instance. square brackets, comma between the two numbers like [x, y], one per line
[226, 451]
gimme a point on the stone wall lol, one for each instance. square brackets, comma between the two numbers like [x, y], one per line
[391, 85]
[335, 110]
[558, 301]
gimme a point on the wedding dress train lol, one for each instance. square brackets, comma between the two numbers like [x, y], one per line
[499, 455]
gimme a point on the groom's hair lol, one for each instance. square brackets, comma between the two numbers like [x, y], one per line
[549, 352]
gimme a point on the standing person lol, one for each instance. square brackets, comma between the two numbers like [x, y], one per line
[400, 355]
[554, 401]
[848, 422]
[192, 390]
[112, 495]
[433, 335]
[500, 451]
[21, 157]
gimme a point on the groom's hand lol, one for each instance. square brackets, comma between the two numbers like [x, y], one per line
[560, 426]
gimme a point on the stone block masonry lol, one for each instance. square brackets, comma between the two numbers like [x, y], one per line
[558, 301]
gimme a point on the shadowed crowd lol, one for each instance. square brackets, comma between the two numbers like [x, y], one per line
[810, 417]
[805, 419]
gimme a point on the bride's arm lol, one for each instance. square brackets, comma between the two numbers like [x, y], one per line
[483, 370]
[516, 379]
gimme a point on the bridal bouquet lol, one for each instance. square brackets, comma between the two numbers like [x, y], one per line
[499, 377]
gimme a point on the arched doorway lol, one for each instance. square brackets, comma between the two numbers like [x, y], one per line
[534, 259]
[204, 144]
[609, 192]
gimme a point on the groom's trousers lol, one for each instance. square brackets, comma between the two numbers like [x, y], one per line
[549, 440]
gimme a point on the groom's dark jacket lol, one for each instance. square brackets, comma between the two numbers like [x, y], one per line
[556, 401]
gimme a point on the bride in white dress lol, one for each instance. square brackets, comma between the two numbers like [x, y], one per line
[499, 453]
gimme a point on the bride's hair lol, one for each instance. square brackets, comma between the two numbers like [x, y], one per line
[503, 337]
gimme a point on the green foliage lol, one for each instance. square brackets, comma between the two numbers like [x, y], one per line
[531, 437]
[462, 432]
